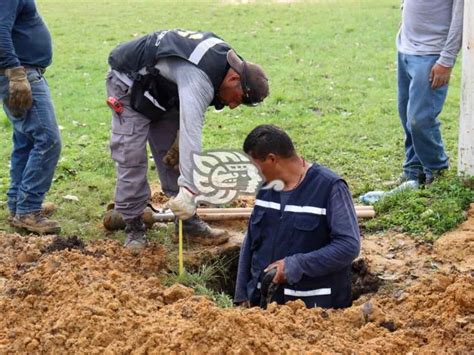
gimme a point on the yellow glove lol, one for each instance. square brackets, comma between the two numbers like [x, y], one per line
[20, 98]
[183, 205]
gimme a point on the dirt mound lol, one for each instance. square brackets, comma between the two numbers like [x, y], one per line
[73, 299]
[102, 298]
[433, 317]
[458, 246]
[61, 295]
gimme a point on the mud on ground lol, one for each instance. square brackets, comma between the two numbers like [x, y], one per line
[99, 298]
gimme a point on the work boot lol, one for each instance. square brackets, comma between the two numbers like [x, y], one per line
[47, 208]
[36, 222]
[198, 231]
[135, 231]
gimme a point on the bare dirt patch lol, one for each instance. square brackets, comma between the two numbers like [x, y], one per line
[102, 299]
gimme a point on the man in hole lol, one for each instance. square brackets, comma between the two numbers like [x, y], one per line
[306, 230]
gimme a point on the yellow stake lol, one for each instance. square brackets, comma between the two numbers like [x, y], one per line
[180, 252]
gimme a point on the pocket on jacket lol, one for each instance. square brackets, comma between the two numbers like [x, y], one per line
[306, 222]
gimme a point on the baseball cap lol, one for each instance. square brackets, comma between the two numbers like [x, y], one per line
[252, 78]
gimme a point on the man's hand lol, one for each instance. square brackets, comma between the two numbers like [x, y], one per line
[20, 98]
[183, 205]
[439, 76]
[280, 277]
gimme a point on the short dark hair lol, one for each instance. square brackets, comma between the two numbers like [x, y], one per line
[266, 139]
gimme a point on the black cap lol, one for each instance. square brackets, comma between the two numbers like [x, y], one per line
[252, 78]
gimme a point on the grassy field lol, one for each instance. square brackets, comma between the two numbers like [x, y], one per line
[332, 70]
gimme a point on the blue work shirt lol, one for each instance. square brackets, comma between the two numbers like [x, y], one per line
[24, 38]
[343, 247]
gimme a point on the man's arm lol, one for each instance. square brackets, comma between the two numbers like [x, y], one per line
[454, 41]
[195, 95]
[8, 57]
[243, 271]
[343, 247]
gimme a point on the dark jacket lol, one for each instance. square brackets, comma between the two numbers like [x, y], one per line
[301, 228]
[138, 58]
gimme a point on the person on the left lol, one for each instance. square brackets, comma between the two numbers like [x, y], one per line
[25, 52]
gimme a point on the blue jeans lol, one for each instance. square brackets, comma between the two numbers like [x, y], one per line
[419, 106]
[36, 147]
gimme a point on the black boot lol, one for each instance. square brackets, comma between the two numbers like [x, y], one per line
[198, 231]
[135, 230]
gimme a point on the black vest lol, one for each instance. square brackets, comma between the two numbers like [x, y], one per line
[137, 58]
[301, 228]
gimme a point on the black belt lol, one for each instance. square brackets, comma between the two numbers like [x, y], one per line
[41, 70]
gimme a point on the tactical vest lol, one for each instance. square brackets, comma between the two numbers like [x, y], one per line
[301, 228]
[152, 94]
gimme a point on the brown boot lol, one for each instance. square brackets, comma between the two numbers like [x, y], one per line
[47, 208]
[198, 231]
[36, 222]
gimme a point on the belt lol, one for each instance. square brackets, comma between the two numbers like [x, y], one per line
[41, 70]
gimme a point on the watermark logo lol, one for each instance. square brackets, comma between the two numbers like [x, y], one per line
[221, 175]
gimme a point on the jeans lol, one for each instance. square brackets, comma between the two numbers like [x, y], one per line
[36, 147]
[419, 106]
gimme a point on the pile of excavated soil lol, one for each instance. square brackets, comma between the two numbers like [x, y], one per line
[63, 296]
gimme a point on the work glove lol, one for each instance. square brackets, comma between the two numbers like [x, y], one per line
[171, 157]
[20, 98]
[183, 205]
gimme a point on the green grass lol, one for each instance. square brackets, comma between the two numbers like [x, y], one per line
[201, 281]
[331, 65]
[426, 212]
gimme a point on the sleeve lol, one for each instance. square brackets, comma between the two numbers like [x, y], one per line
[454, 41]
[8, 11]
[195, 95]
[343, 247]
[243, 271]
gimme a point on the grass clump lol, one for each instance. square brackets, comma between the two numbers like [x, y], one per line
[201, 282]
[427, 212]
